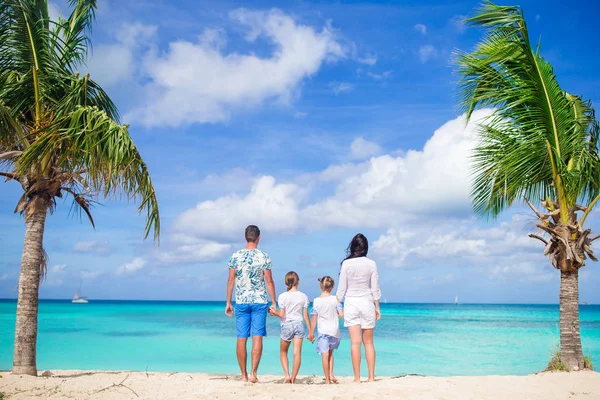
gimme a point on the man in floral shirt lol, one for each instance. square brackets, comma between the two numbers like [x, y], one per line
[250, 273]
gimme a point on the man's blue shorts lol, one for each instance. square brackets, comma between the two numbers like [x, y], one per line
[251, 320]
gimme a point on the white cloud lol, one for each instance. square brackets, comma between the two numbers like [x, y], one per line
[130, 268]
[91, 275]
[421, 29]
[368, 194]
[57, 268]
[92, 246]
[55, 275]
[362, 148]
[458, 24]
[414, 183]
[527, 272]
[368, 60]
[111, 64]
[427, 52]
[380, 77]
[274, 207]
[187, 249]
[299, 114]
[197, 82]
[457, 241]
[340, 87]
[54, 11]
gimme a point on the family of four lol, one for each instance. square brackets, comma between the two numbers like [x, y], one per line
[251, 276]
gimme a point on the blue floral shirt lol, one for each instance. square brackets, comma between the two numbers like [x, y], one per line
[250, 266]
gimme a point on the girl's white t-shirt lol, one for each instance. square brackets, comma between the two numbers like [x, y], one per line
[294, 304]
[328, 322]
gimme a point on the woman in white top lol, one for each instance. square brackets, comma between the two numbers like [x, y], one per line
[359, 284]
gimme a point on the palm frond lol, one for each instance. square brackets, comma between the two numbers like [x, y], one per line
[81, 203]
[540, 140]
[74, 33]
[89, 139]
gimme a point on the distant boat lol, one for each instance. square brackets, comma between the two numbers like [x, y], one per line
[78, 299]
[385, 300]
[584, 303]
[456, 300]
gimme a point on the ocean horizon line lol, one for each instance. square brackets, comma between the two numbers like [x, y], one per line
[8, 299]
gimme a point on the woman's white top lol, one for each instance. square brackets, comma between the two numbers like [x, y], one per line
[359, 278]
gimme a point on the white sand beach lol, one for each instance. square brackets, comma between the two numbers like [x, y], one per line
[141, 385]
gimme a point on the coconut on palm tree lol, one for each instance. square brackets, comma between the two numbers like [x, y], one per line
[60, 136]
[540, 145]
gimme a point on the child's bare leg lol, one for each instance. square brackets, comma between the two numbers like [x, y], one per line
[283, 356]
[331, 376]
[326, 368]
[297, 358]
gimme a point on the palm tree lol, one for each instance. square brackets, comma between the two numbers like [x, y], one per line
[59, 136]
[539, 144]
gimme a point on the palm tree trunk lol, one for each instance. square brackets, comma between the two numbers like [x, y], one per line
[570, 341]
[24, 361]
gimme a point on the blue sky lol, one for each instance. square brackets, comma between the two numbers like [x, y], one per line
[314, 120]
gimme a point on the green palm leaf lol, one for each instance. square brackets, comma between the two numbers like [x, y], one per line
[540, 141]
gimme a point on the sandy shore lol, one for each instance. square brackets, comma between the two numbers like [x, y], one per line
[181, 386]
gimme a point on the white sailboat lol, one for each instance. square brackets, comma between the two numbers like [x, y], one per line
[77, 298]
[455, 300]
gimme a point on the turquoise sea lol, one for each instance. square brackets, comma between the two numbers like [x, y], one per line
[430, 339]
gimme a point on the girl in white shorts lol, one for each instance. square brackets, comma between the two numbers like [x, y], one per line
[326, 313]
[293, 307]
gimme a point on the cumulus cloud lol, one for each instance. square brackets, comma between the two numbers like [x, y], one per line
[525, 272]
[458, 24]
[111, 64]
[130, 268]
[91, 275]
[57, 268]
[340, 87]
[362, 148]
[427, 52]
[456, 241]
[380, 76]
[54, 11]
[199, 82]
[367, 193]
[368, 60]
[92, 246]
[273, 206]
[55, 275]
[421, 29]
[185, 249]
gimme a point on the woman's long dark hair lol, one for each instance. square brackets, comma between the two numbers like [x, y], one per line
[358, 247]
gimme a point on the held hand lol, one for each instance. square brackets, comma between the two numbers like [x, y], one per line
[377, 314]
[229, 310]
[272, 310]
[311, 338]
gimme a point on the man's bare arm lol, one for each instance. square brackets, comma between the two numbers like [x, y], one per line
[230, 285]
[270, 287]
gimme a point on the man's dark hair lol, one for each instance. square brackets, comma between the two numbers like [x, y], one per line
[252, 233]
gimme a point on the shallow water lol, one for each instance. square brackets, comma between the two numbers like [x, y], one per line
[430, 339]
